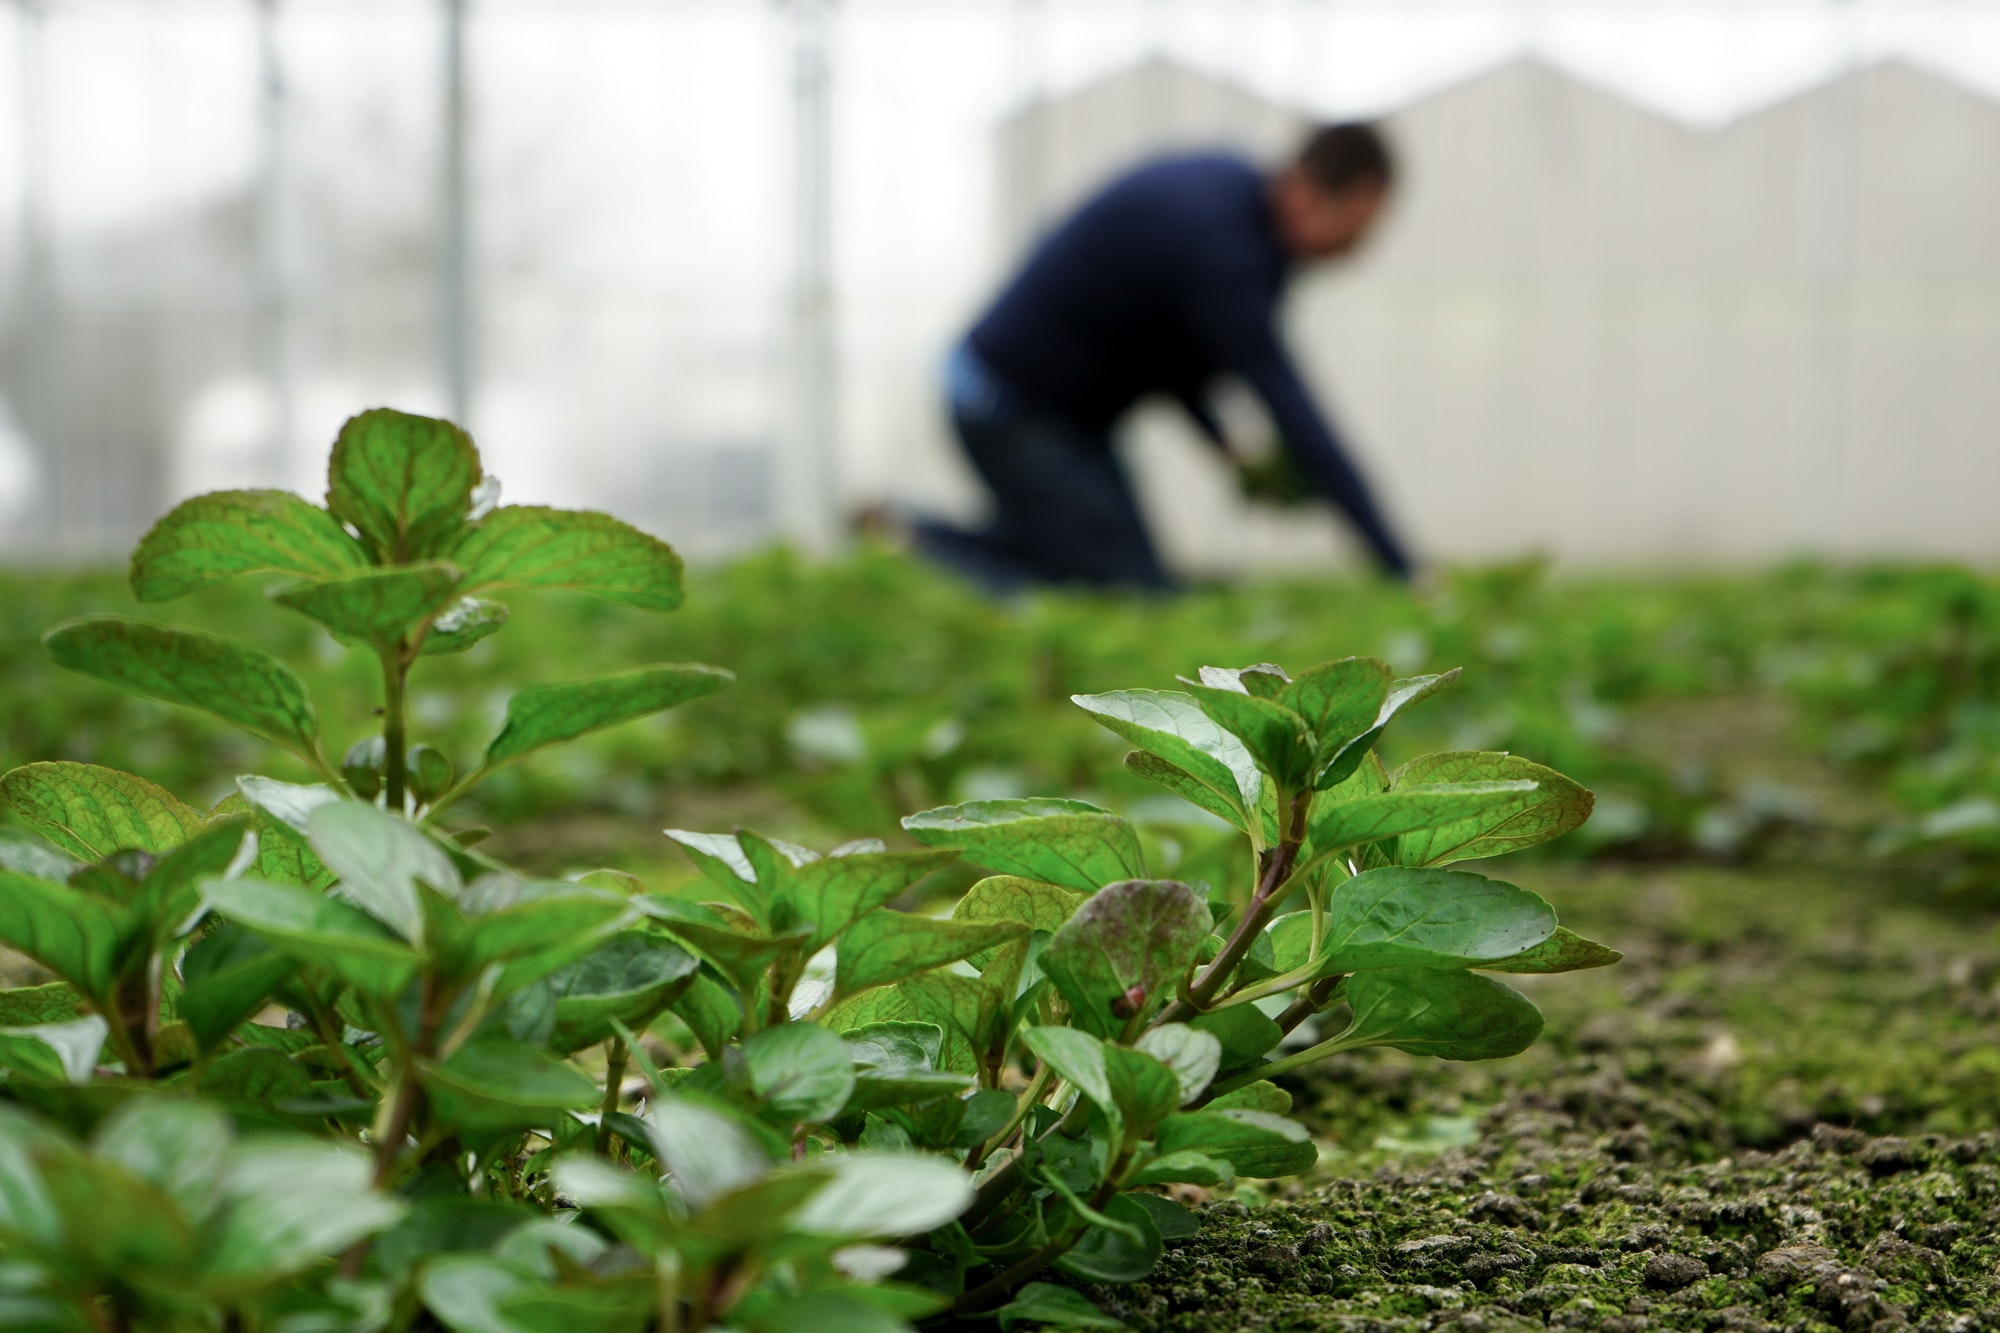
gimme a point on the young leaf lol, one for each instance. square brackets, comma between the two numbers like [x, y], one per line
[1451, 1015]
[528, 546]
[1192, 1054]
[833, 891]
[54, 1053]
[632, 977]
[1071, 843]
[1186, 1167]
[290, 1205]
[1125, 951]
[1126, 1253]
[1081, 1059]
[1047, 1305]
[462, 624]
[1173, 727]
[493, 1084]
[91, 812]
[885, 947]
[1564, 951]
[380, 859]
[1244, 1031]
[241, 685]
[224, 533]
[81, 939]
[226, 976]
[320, 931]
[549, 714]
[1559, 806]
[710, 1010]
[374, 607]
[884, 1194]
[705, 1150]
[1279, 740]
[1145, 1089]
[1033, 904]
[1339, 700]
[1402, 693]
[800, 1072]
[1254, 1143]
[1335, 826]
[403, 482]
[1395, 917]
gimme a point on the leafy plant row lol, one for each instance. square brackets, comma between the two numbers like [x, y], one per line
[313, 1060]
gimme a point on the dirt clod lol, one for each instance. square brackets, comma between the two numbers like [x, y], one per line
[1671, 1272]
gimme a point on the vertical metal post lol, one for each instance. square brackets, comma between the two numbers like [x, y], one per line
[455, 276]
[41, 409]
[808, 471]
[274, 254]
[1833, 166]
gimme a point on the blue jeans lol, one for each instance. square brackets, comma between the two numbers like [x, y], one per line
[1064, 510]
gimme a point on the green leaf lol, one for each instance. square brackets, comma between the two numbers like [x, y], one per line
[1244, 1031]
[1080, 1059]
[1396, 917]
[315, 929]
[739, 954]
[705, 1150]
[1192, 1054]
[1146, 1090]
[1192, 790]
[1107, 1255]
[243, 686]
[800, 1072]
[291, 1204]
[227, 975]
[1450, 1015]
[403, 482]
[1174, 727]
[1279, 740]
[720, 858]
[1402, 693]
[710, 1010]
[288, 806]
[1564, 951]
[528, 546]
[375, 607]
[81, 939]
[1254, 1143]
[1340, 702]
[1335, 826]
[1174, 1221]
[885, 1194]
[1125, 951]
[22, 851]
[1186, 1167]
[467, 1292]
[1560, 805]
[492, 1084]
[54, 1053]
[91, 812]
[1071, 843]
[256, 1077]
[462, 624]
[31, 1006]
[532, 927]
[1262, 1095]
[380, 859]
[972, 1012]
[544, 715]
[632, 977]
[826, 1312]
[178, 1147]
[884, 948]
[832, 892]
[1031, 903]
[224, 533]
[1046, 1304]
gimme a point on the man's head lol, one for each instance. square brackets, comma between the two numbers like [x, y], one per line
[1326, 201]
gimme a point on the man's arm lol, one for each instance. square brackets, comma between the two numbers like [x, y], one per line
[1241, 337]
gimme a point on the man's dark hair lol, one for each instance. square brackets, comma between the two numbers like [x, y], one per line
[1340, 157]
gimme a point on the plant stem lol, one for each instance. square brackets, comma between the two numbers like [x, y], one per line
[1332, 1046]
[1048, 1254]
[1316, 998]
[1022, 1104]
[1007, 1179]
[616, 1053]
[395, 736]
[329, 1035]
[1277, 872]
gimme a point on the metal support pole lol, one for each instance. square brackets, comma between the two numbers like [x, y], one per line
[41, 409]
[455, 294]
[808, 472]
[274, 253]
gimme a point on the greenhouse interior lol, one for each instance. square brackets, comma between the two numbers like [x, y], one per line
[796, 665]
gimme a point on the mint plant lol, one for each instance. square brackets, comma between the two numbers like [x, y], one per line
[311, 1060]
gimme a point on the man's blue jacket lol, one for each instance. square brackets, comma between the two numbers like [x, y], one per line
[1168, 278]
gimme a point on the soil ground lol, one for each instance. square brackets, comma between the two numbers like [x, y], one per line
[1779, 1112]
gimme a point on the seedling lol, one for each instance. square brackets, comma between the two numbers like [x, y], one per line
[878, 1116]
